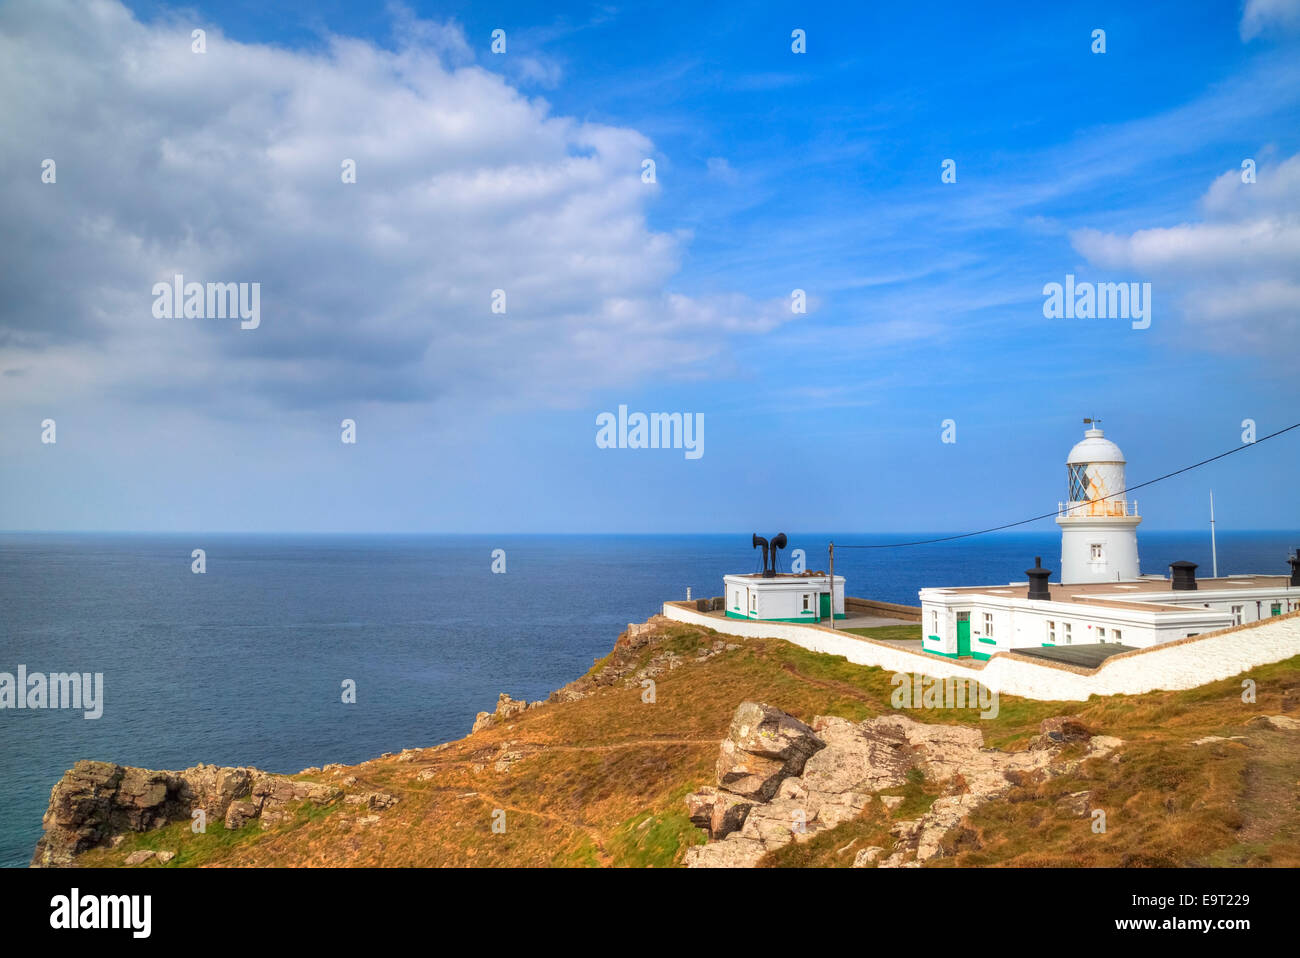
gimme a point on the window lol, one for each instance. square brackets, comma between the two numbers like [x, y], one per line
[807, 599]
[1118, 635]
[1101, 633]
[1068, 638]
[988, 625]
[1236, 615]
[934, 622]
[1096, 552]
[753, 602]
[1078, 483]
[1277, 608]
[735, 600]
[1051, 631]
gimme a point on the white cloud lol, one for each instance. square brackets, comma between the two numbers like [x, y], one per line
[1235, 275]
[225, 166]
[1258, 15]
[719, 168]
[537, 70]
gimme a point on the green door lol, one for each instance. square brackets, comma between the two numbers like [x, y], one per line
[963, 633]
[825, 605]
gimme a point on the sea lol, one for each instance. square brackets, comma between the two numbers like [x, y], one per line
[247, 662]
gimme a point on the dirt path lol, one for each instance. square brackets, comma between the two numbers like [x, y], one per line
[634, 744]
[539, 747]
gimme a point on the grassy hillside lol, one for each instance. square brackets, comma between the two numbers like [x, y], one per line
[600, 780]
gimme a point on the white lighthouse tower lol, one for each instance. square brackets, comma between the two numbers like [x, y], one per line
[1098, 533]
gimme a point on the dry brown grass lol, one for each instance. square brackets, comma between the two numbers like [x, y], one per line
[603, 779]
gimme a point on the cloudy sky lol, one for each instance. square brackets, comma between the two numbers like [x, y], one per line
[524, 171]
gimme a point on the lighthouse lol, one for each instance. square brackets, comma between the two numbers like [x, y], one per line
[1098, 523]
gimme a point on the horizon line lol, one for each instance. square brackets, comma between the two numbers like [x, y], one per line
[567, 534]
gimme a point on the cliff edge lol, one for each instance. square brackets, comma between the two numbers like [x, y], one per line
[682, 746]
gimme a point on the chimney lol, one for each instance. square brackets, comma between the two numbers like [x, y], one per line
[1184, 575]
[1038, 577]
[1295, 567]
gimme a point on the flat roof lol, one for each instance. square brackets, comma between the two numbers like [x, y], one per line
[1089, 656]
[1111, 594]
[779, 575]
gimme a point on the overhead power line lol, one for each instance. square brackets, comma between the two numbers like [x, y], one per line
[1049, 515]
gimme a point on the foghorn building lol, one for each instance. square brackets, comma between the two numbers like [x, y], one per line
[771, 596]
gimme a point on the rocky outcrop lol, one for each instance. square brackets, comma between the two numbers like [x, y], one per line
[852, 763]
[1060, 730]
[975, 775]
[833, 783]
[1283, 723]
[507, 708]
[96, 801]
[763, 747]
[867, 856]
[374, 801]
[717, 812]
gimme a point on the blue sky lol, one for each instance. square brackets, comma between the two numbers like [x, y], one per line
[775, 171]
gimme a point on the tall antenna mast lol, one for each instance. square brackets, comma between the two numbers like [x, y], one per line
[832, 555]
[1214, 552]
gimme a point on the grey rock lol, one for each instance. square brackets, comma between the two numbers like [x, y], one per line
[867, 856]
[1283, 723]
[763, 746]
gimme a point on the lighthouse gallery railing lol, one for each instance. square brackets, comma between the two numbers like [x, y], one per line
[1098, 507]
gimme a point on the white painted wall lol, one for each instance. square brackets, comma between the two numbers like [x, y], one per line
[781, 597]
[1183, 665]
[1119, 549]
[1255, 604]
[1021, 622]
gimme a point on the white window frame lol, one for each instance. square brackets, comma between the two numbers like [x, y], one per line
[1069, 633]
[1096, 552]
[988, 625]
[1051, 631]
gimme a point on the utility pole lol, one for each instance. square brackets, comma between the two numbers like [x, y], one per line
[1214, 552]
[832, 585]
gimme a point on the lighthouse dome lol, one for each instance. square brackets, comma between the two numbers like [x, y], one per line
[1094, 447]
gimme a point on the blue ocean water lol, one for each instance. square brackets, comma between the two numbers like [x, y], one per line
[243, 665]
